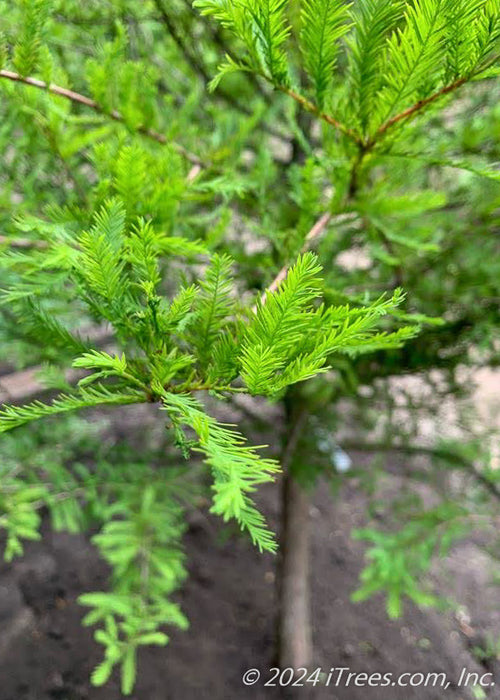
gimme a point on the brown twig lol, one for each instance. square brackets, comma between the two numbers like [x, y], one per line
[367, 145]
[198, 67]
[78, 98]
[316, 231]
[182, 45]
[436, 452]
[417, 107]
[313, 109]
[22, 243]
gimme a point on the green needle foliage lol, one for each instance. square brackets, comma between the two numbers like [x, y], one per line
[237, 468]
[169, 354]
[371, 69]
[171, 341]
[323, 22]
[154, 187]
[373, 21]
[400, 57]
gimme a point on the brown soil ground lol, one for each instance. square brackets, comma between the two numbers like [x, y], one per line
[45, 654]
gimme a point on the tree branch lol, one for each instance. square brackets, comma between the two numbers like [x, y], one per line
[190, 57]
[22, 243]
[78, 98]
[316, 231]
[313, 109]
[437, 452]
[417, 107]
[200, 69]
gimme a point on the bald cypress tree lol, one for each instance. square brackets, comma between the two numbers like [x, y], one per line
[177, 205]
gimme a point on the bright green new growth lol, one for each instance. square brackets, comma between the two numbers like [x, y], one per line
[200, 339]
[289, 339]
[237, 469]
[397, 559]
[15, 416]
[323, 23]
[373, 20]
[401, 57]
[143, 548]
[285, 341]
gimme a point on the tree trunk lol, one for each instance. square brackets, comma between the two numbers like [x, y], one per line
[294, 616]
[294, 627]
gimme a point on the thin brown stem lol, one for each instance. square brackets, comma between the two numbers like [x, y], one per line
[182, 45]
[417, 107]
[23, 243]
[78, 98]
[316, 231]
[313, 109]
[436, 452]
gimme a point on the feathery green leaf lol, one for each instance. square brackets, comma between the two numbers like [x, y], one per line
[323, 23]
